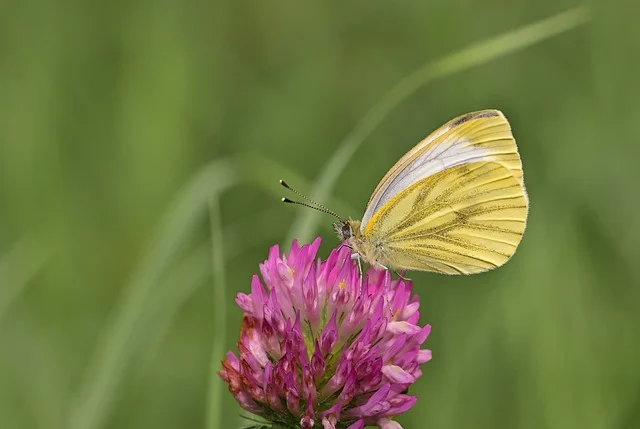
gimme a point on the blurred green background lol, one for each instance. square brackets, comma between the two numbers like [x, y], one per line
[124, 127]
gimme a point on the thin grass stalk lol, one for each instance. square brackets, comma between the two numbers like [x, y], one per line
[214, 397]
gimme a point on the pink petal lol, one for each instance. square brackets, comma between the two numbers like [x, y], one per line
[386, 423]
[423, 356]
[400, 404]
[403, 328]
[395, 374]
[409, 310]
[327, 424]
[423, 334]
[286, 274]
[245, 303]
[330, 417]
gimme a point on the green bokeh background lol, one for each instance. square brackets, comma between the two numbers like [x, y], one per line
[123, 125]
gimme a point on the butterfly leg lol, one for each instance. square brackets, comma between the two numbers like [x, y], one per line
[387, 272]
[345, 244]
[406, 279]
[386, 291]
[356, 257]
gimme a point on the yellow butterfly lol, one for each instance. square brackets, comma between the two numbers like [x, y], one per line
[454, 204]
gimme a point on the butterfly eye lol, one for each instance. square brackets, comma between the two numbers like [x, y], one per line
[343, 230]
[346, 231]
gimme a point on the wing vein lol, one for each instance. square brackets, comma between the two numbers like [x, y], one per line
[466, 255]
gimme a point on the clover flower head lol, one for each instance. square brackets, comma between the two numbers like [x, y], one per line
[319, 348]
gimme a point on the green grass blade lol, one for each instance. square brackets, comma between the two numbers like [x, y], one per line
[114, 347]
[214, 397]
[478, 53]
[181, 283]
[17, 268]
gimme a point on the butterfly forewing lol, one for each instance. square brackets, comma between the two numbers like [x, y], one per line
[462, 220]
[478, 136]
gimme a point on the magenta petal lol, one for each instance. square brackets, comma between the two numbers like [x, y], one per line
[308, 386]
[332, 414]
[329, 336]
[339, 378]
[350, 387]
[318, 364]
[311, 305]
[258, 297]
[401, 404]
[397, 343]
[307, 421]
[376, 400]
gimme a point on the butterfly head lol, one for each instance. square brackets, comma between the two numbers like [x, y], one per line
[346, 229]
[343, 230]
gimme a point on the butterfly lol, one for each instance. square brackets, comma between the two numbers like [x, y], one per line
[454, 204]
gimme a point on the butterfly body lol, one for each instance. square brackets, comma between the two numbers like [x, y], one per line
[372, 251]
[454, 204]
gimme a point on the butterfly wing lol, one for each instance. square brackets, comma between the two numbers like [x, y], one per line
[463, 220]
[478, 136]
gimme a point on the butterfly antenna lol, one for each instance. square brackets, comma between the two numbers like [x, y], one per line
[313, 204]
[320, 209]
[301, 195]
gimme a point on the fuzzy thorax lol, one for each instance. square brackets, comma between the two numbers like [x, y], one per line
[349, 231]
